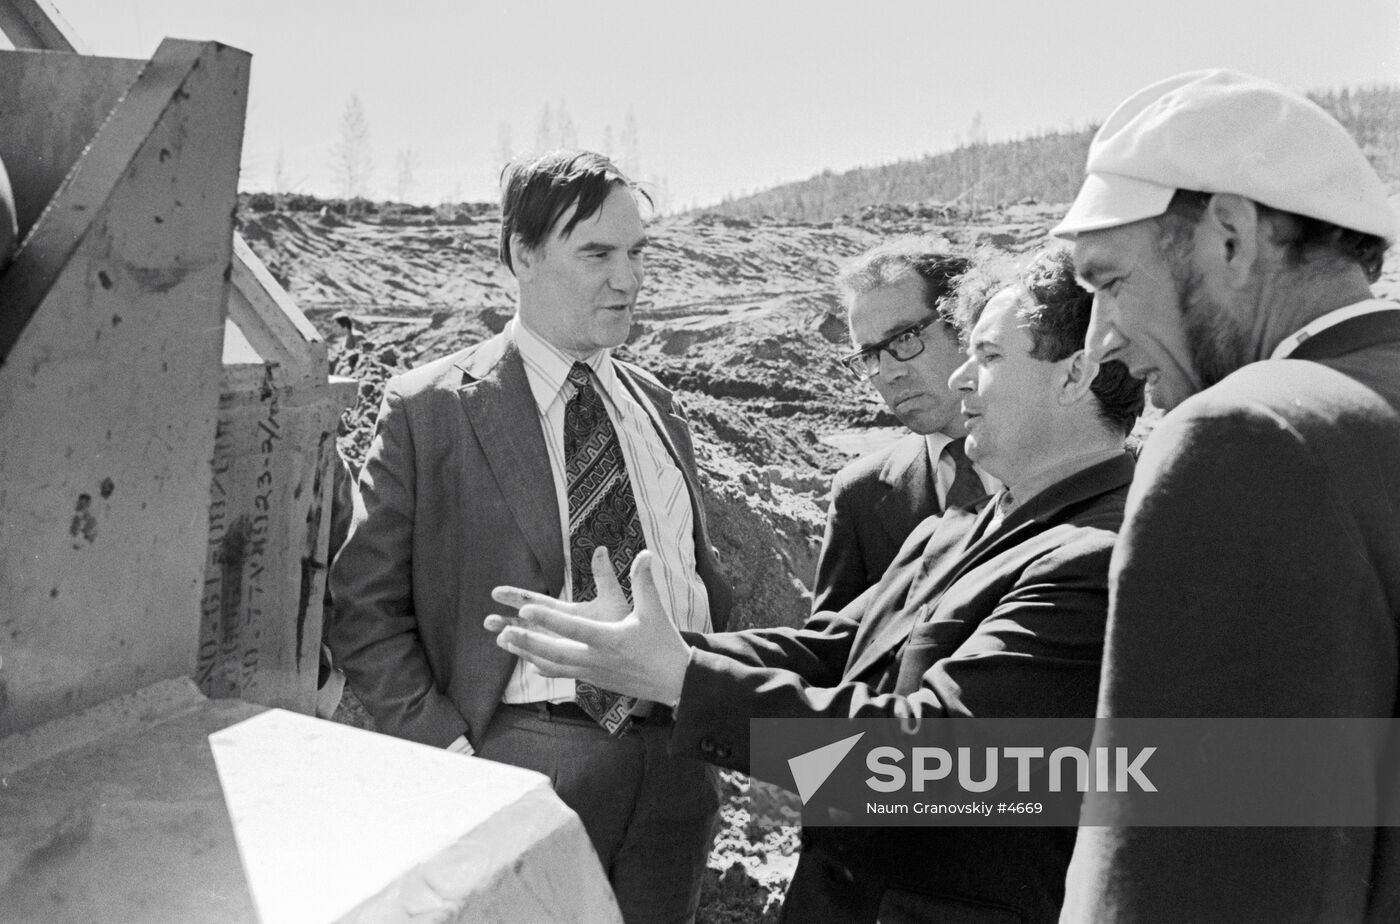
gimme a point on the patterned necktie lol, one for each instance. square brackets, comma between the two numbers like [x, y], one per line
[966, 489]
[602, 511]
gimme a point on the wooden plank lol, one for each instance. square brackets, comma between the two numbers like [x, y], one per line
[268, 317]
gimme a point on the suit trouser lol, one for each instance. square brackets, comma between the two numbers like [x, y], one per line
[651, 817]
[951, 875]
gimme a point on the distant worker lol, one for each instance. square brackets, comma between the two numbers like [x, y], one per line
[1231, 230]
[346, 322]
[907, 348]
[508, 463]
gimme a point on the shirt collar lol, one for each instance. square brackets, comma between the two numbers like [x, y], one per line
[1330, 319]
[547, 367]
[1043, 479]
[936, 443]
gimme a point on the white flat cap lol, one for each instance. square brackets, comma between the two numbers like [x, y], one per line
[1225, 132]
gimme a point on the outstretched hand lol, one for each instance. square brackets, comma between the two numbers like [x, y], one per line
[637, 651]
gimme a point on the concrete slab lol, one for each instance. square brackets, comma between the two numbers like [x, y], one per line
[111, 330]
[164, 806]
[336, 823]
[130, 827]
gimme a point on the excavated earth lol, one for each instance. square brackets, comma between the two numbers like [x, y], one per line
[738, 317]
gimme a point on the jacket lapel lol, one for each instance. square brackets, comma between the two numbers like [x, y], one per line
[901, 603]
[969, 543]
[911, 496]
[496, 398]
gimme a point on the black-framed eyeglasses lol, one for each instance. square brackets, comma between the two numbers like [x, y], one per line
[903, 345]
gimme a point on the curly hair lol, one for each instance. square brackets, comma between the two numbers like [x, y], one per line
[1055, 309]
[888, 263]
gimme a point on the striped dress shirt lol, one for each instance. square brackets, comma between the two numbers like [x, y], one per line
[663, 500]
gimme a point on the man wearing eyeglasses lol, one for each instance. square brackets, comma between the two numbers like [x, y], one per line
[995, 615]
[907, 350]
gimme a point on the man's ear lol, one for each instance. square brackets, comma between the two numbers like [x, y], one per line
[1079, 373]
[521, 256]
[1229, 236]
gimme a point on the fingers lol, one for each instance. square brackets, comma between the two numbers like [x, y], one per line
[605, 579]
[518, 597]
[579, 629]
[556, 657]
[546, 667]
[495, 623]
[646, 597]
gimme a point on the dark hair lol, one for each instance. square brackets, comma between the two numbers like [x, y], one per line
[534, 194]
[888, 263]
[1302, 237]
[1055, 309]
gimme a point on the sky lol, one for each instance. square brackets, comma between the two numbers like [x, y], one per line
[727, 96]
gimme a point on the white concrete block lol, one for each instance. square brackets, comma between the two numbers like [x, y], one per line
[335, 823]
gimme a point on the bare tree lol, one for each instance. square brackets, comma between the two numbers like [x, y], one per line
[505, 148]
[352, 157]
[406, 177]
[248, 161]
[565, 131]
[631, 159]
[977, 152]
[281, 183]
[544, 130]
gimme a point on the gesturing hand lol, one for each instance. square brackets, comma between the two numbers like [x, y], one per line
[640, 653]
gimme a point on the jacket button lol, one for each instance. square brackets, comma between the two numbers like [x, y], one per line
[722, 752]
[707, 745]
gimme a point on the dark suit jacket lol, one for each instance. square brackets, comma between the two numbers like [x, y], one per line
[876, 502]
[964, 623]
[455, 498]
[1262, 551]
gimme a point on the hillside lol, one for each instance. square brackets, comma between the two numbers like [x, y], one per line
[1046, 168]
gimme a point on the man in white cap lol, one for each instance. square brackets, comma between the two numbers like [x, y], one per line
[1231, 231]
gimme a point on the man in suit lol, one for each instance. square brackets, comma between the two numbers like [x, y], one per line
[1231, 230]
[907, 349]
[508, 462]
[996, 614]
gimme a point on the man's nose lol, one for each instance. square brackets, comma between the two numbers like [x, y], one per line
[962, 378]
[626, 276]
[1104, 341]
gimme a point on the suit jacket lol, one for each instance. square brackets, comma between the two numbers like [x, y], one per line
[1262, 550]
[455, 498]
[876, 502]
[966, 622]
